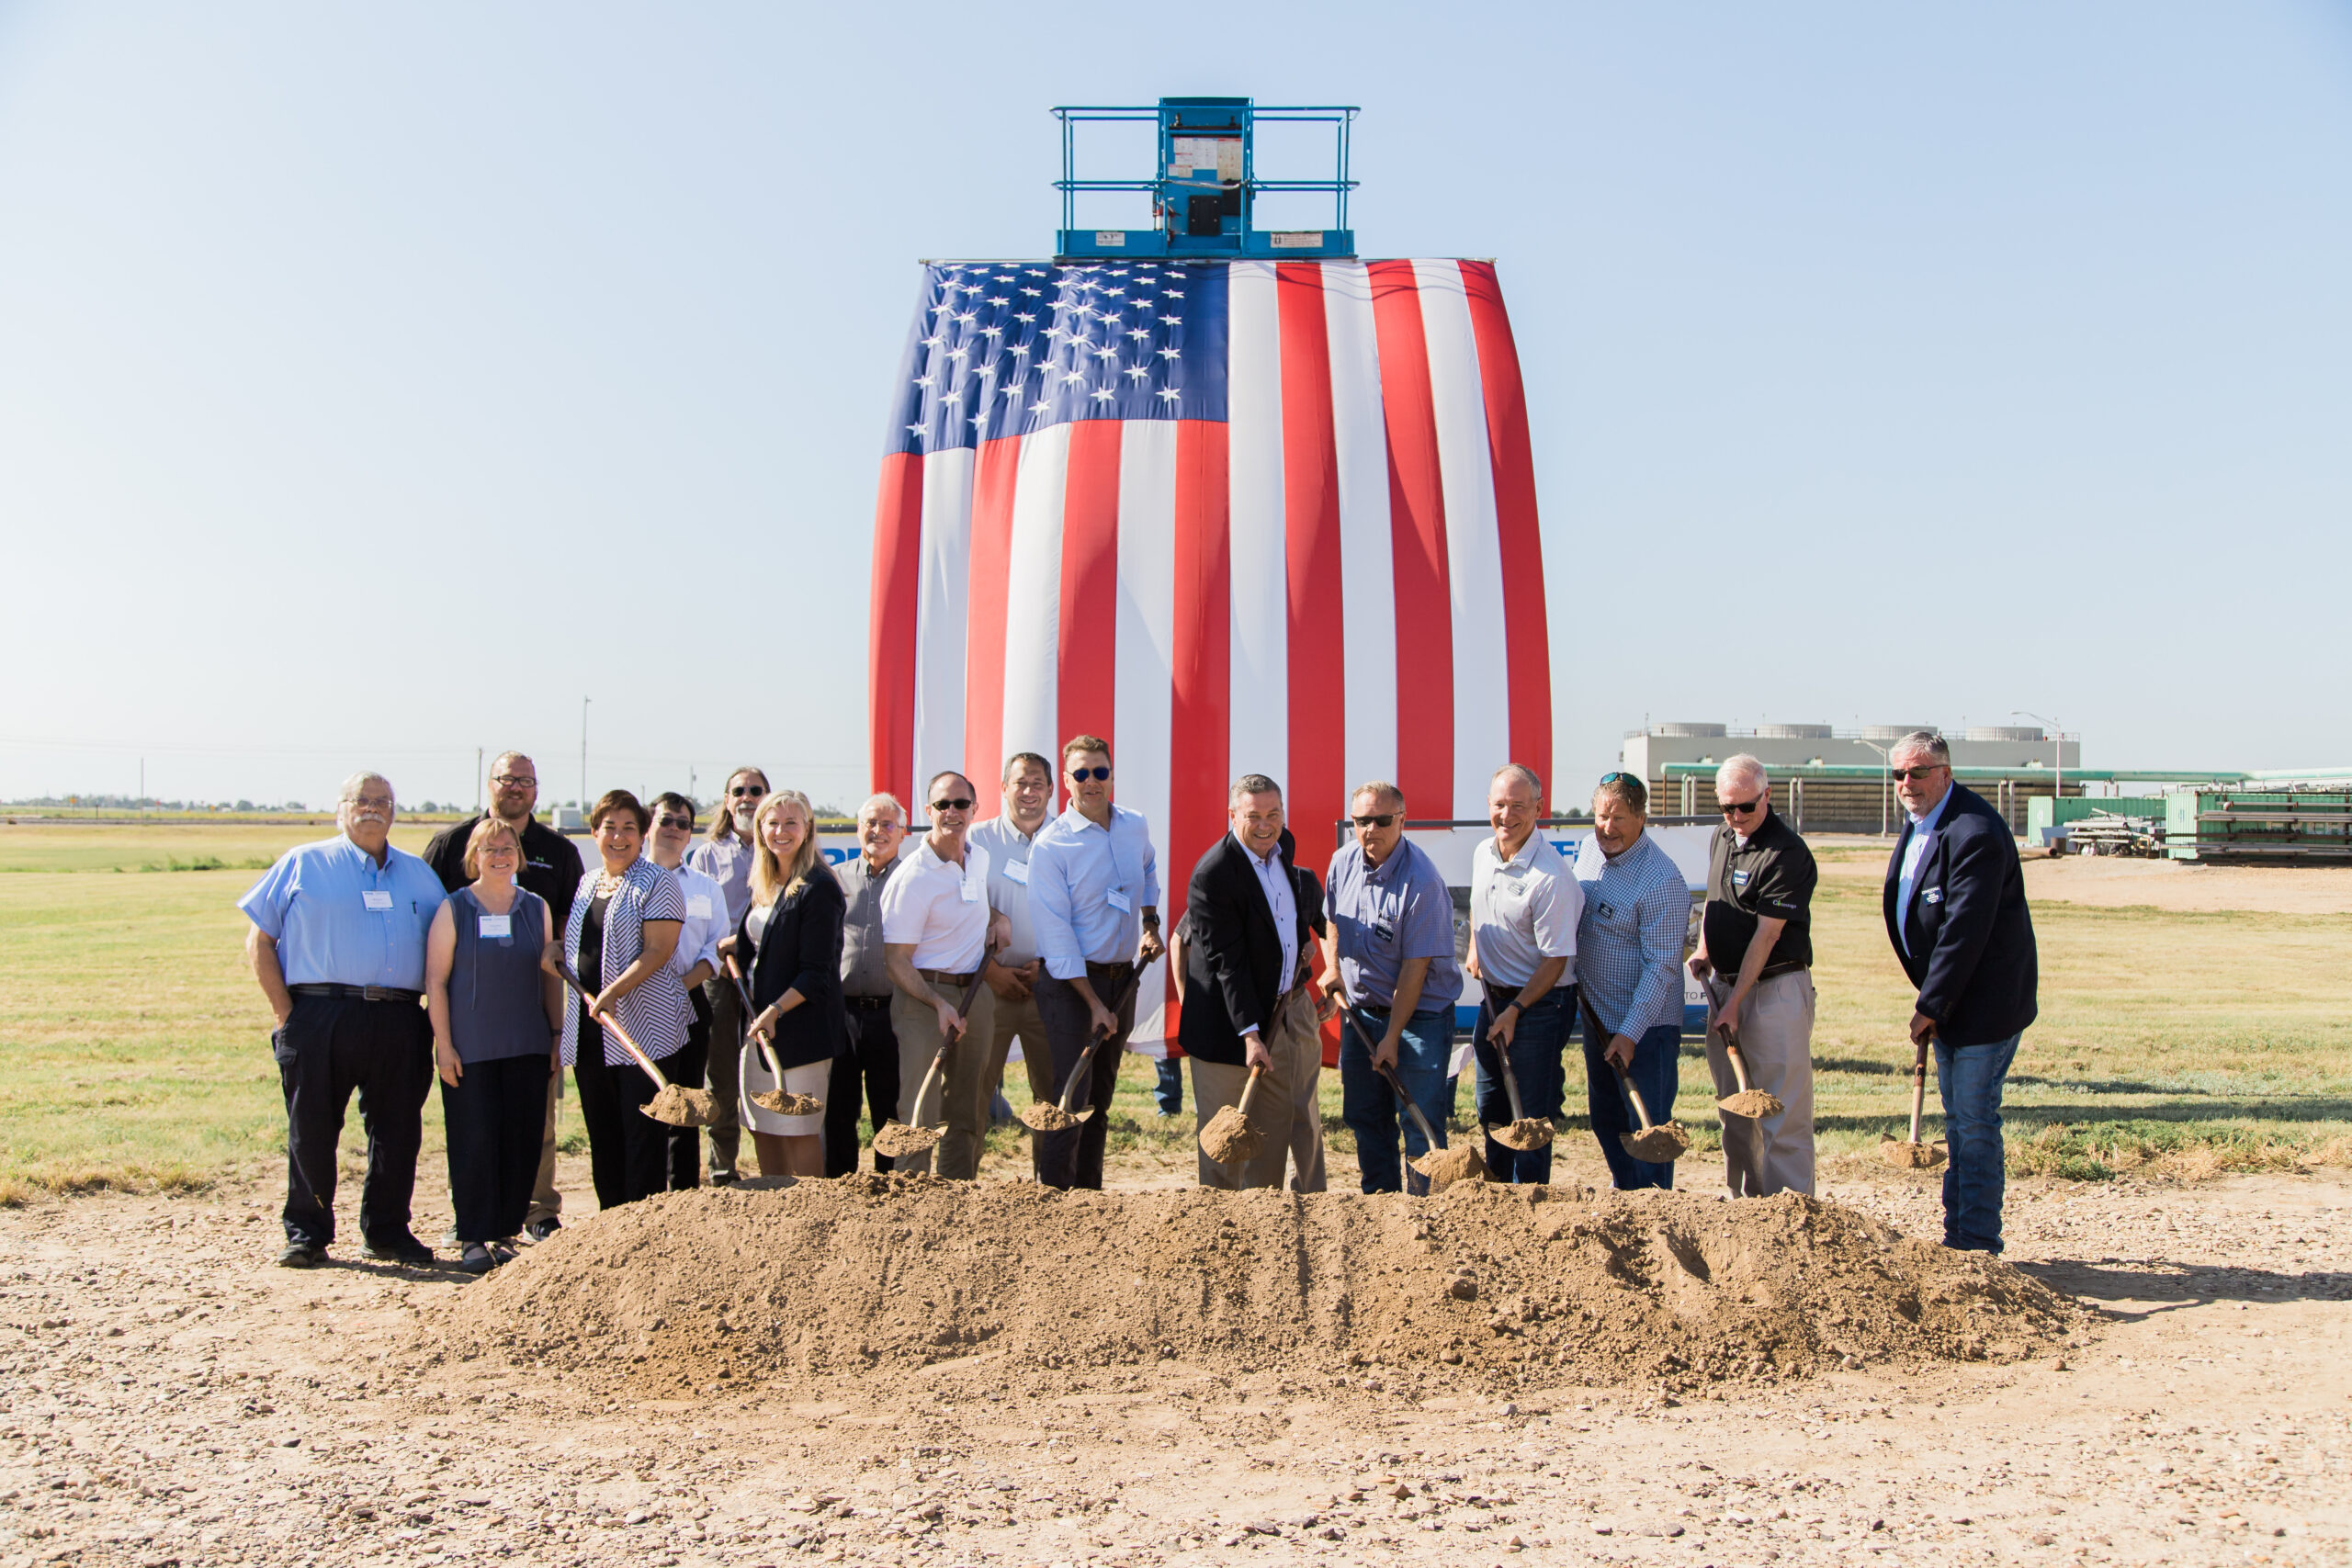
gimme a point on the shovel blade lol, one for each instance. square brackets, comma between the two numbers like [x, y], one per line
[678, 1107]
[1661, 1145]
[1446, 1167]
[1524, 1136]
[1751, 1103]
[1045, 1116]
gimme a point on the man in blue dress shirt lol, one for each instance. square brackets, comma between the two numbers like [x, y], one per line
[338, 946]
[1094, 905]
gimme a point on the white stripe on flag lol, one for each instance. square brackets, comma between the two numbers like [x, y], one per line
[1260, 637]
[1145, 683]
[942, 600]
[1367, 565]
[1473, 560]
[1032, 606]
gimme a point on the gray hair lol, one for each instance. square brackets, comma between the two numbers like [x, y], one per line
[1743, 766]
[1934, 746]
[1523, 773]
[357, 782]
[1379, 789]
[1252, 783]
[882, 798]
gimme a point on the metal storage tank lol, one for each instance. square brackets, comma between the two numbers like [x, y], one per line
[1690, 731]
[1883, 733]
[2005, 732]
[1793, 732]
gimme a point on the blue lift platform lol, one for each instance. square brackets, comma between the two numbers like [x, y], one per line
[1206, 185]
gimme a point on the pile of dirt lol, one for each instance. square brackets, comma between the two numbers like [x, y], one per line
[1479, 1285]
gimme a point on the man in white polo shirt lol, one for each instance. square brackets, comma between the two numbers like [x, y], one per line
[934, 935]
[1524, 903]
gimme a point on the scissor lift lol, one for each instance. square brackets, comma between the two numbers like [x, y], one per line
[1206, 185]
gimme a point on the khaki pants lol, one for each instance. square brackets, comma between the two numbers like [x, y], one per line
[547, 1203]
[916, 1026]
[973, 1076]
[1285, 1108]
[1774, 1154]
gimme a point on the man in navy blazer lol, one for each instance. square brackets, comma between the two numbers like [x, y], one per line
[1955, 910]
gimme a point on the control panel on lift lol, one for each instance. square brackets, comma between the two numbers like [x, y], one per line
[1205, 187]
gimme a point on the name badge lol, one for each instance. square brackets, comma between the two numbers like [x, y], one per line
[1740, 879]
[1017, 871]
[1932, 895]
[1121, 902]
[377, 900]
[501, 926]
[1384, 931]
[970, 891]
[698, 906]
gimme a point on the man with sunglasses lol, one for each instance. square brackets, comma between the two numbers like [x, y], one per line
[1755, 957]
[1955, 911]
[551, 869]
[1094, 898]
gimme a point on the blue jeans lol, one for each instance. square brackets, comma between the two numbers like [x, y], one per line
[1370, 1107]
[1657, 1062]
[1969, 1077]
[1536, 1047]
[1167, 1090]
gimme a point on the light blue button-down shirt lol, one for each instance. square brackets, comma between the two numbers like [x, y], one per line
[341, 919]
[1281, 902]
[1383, 915]
[1915, 849]
[1629, 936]
[1078, 875]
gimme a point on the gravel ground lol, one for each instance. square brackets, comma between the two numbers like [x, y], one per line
[168, 1397]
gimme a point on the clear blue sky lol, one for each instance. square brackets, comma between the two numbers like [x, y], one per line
[374, 382]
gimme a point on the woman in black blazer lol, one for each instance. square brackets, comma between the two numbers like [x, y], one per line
[792, 929]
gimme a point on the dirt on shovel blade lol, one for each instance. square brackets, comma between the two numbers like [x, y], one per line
[1909, 1156]
[1230, 1137]
[784, 1104]
[898, 1140]
[1660, 1144]
[1752, 1103]
[1446, 1167]
[1527, 1133]
[1045, 1116]
[682, 1107]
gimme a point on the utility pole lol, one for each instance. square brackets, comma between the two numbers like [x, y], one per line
[2058, 760]
[1885, 785]
[477, 781]
[584, 758]
[142, 786]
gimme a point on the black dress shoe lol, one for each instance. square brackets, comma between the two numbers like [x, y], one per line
[401, 1248]
[479, 1260]
[301, 1255]
[539, 1230]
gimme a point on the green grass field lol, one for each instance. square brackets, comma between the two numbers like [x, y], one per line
[137, 1045]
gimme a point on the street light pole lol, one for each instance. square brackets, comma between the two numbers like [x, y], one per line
[1885, 785]
[583, 759]
[2058, 758]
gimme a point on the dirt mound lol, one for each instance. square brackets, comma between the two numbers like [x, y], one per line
[885, 1277]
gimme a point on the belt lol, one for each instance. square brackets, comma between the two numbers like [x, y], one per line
[865, 1004]
[942, 977]
[360, 993]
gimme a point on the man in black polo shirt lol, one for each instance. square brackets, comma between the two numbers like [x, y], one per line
[551, 870]
[1756, 958]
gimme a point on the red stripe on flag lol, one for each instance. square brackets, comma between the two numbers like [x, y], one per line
[891, 618]
[1087, 650]
[1311, 525]
[1201, 666]
[1417, 532]
[1526, 632]
[996, 467]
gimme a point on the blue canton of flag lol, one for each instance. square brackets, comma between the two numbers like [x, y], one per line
[1010, 349]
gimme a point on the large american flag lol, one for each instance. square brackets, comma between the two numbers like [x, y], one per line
[1235, 517]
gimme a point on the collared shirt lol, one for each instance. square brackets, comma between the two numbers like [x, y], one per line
[1523, 910]
[726, 862]
[341, 919]
[1629, 936]
[1769, 874]
[1384, 915]
[1089, 886]
[550, 862]
[655, 1012]
[1281, 902]
[707, 920]
[1916, 837]
[941, 907]
[1009, 849]
[864, 971]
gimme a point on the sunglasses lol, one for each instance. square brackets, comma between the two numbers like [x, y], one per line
[1899, 774]
[1741, 807]
[686, 824]
[962, 802]
[747, 792]
[1079, 775]
[1377, 819]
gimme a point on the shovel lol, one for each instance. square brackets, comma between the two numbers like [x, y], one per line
[1754, 1104]
[1229, 1137]
[897, 1139]
[774, 1099]
[1441, 1166]
[671, 1104]
[1911, 1154]
[1657, 1143]
[1525, 1131]
[1043, 1116]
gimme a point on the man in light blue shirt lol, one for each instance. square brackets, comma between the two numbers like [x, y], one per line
[1095, 903]
[338, 947]
[1392, 927]
[1629, 936]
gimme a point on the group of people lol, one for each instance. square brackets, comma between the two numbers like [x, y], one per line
[498, 960]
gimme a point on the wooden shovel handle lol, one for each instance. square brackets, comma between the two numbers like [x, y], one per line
[1918, 1086]
[947, 1042]
[1241, 1106]
[1639, 1110]
[1069, 1089]
[1429, 1135]
[1739, 1064]
[612, 1023]
[743, 1005]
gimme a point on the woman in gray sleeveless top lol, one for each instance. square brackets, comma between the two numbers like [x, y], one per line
[496, 1018]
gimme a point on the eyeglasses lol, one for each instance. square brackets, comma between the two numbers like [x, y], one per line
[747, 792]
[1899, 774]
[513, 781]
[683, 824]
[489, 849]
[1377, 819]
[1080, 775]
[377, 802]
[1741, 807]
[962, 803]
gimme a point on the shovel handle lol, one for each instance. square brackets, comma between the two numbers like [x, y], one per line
[612, 1023]
[1241, 1106]
[1069, 1089]
[1639, 1110]
[1510, 1080]
[743, 1005]
[1739, 1065]
[1918, 1086]
[947, 1042]
[1429, 1133]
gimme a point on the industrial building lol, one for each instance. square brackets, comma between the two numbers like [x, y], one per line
[1831, 781]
